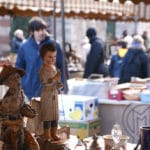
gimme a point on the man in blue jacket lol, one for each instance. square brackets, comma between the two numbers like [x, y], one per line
[29, 59]
[117, 59]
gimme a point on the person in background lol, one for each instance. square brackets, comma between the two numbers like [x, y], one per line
[117, 59]
[126, 37]
[148, 58]
[135, 62]
[17, 40]
[95, 59]
[51, 84]
[147, 48]
[29, 59]
[84, 50]
[146, 40]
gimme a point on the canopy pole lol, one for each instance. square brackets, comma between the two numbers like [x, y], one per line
[136, 18]
[63, 45]
[54, 19]
[63, 24]
[40, 10]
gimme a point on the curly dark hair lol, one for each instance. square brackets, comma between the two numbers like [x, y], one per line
[49, 46]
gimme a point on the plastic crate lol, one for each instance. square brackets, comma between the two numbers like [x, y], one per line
[145, 97]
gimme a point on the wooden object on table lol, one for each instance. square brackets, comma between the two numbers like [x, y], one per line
[64, 132]
[36, 126]
[51, 145]
[12, 112]
[132, 94]
[109, 143]
[73, 140]
[95, 145]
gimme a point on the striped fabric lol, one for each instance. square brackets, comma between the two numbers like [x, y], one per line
[98, 9]
[135, 1]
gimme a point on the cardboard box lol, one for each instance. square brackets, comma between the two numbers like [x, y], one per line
[82, 129]
[78, 108]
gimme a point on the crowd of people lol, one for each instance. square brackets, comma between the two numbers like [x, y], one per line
[42, 59]
[131, 58]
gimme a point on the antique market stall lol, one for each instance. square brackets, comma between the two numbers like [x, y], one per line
[134, 10]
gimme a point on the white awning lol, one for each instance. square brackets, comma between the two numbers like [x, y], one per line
[97, 9]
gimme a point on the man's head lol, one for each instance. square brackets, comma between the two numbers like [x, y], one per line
[19, 34]
[124, 33]
[138, 42]
[37, 28]
[144, 35]
[122, 48]
[91, 32]
[122, 44]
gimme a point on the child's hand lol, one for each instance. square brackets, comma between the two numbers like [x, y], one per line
[59, 85]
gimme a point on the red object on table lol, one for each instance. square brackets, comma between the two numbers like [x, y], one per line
[115, 94]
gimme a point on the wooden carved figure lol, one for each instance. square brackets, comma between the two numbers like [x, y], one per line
[51, 84]
[12, 111]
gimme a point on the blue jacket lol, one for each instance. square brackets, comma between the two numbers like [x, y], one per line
[134, 65]
[115, 66]
[28, 58]
[16, 43]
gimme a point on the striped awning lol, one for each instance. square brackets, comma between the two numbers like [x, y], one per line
[97, 9]
[134, 1]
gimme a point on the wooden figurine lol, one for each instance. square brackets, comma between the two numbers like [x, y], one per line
[12, 111]
[51, 83]
[95, 145]
[80, 144]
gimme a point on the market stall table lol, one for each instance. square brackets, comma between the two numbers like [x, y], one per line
[131, 115]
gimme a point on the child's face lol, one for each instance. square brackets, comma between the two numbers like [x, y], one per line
[50, 58]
